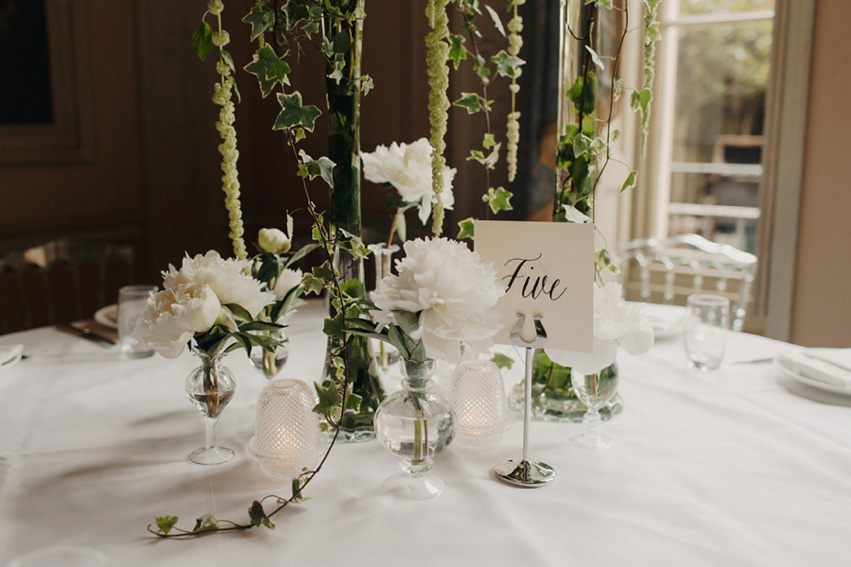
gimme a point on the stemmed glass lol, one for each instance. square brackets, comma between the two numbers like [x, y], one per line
[210, 387]
[594, 390]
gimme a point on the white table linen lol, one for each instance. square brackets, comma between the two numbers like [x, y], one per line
[739, 466]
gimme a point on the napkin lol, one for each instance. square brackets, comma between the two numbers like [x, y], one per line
[828, 365]
[10, 355]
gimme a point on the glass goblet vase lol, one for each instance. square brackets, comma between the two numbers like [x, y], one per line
[415, 424]
[210, 387]
[594, 390]
[270, 363]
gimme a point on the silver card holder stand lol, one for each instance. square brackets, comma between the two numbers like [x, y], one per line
[527, 474]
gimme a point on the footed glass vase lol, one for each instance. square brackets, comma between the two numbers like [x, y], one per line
[415, 424]
[210, 387]
[553, 398]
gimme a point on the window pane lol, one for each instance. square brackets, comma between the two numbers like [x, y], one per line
[722, 74]
[691, 7]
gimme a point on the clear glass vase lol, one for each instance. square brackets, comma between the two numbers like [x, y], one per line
[271, 363]
[553, 398]
[415, 424]
[386, 354]
[210, 388]
[362, 371]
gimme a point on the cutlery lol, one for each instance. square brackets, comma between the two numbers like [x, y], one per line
[85, 333]
[755, 361]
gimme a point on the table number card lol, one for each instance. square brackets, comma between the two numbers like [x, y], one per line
[548, 270]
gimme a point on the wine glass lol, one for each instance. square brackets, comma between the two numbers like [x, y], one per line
[705, 330]
[594, 390]
[210, 388]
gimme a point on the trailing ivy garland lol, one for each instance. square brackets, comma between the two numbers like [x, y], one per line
[437, 56]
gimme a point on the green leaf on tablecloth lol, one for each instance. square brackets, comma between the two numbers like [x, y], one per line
[206, 523]
[165, 523]
[258, 516]
[297, 485]
[202, 39]
[502, 361]
[466, 229]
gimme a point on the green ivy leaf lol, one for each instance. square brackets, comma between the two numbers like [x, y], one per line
[202, 39]
[206, 523]
[296, 488]
[480, 68]
[366, 84]
[471, 101]
[258, 516]
[607, 4]
[507, 65]
[322, 167]
[268, 68]
[457, 51]
[489, 161]
[294, 114]
[594, 57]
[466, 228]
[489, 141]
[496, 21]
[312, 284]
[261, 19]
[165, 523]
[630, 181]
[640, 100]
[502, 361]
[498, 199]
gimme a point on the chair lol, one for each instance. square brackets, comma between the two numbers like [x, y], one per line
[60, 282]
[670, 270]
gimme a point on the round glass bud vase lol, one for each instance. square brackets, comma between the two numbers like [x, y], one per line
[271, 363]
[553, 398]
[415, 424]
[210, 387]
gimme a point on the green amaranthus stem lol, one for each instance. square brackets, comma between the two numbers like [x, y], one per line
[437, 55]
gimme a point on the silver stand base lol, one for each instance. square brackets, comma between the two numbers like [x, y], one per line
[527, 474]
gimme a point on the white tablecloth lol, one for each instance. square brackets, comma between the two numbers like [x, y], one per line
[740, 466]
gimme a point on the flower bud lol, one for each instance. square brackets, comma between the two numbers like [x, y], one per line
[273, 241]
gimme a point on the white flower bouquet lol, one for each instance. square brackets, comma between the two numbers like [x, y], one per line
[617, 323]
[442, 295]
[407, 167]
[209, 301]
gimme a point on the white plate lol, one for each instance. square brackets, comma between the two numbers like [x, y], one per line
[10, 355]
[108, 316]
[794, 374]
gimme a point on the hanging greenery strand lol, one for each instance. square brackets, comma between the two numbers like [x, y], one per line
[437, 57]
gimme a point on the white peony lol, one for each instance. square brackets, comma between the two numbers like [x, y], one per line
[287, 280]
[173, 316]
[273, 241]
[228, 278]
[408, 168]
[616, 323]
[453, 292]
[572, 214]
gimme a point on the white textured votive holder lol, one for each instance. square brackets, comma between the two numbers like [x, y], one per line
[477, 395]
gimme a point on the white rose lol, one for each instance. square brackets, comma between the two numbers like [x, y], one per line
[228, 278]
[452, 289]
[616, 323]
[408, 168]
[287, 281]
[273, 241]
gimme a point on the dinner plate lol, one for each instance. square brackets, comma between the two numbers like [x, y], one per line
[10, 355]
[798, 377]
[108, 316]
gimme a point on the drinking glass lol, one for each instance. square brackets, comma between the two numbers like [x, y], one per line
[705, 331]
[594, 390]
[131, 304]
